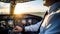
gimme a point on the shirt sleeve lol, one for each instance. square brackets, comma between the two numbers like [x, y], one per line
[53, 26]
[34, 27]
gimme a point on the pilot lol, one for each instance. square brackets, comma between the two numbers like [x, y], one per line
[51, 22]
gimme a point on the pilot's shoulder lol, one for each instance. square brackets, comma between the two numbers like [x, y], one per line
[55, 16]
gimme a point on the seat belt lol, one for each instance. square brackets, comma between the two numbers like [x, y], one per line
[42, 21]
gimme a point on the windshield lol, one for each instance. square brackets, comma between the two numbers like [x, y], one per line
[34, 7]
[4, 8]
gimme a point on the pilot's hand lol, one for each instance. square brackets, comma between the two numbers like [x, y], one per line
[17, 29]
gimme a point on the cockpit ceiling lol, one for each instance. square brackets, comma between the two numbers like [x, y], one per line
[19, 1]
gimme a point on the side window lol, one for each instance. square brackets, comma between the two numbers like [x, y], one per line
[4, 8]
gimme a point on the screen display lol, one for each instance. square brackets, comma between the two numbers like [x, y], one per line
[4, 8]
[30, 20]
[24, 21]
[11, 23]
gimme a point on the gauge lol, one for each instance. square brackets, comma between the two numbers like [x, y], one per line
[2, 24]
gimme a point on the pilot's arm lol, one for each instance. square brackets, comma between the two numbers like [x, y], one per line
[34, 27]
[53, 26]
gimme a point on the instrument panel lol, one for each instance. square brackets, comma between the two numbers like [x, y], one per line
[10, 21]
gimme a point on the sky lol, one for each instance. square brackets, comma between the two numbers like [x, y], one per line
[32, 6]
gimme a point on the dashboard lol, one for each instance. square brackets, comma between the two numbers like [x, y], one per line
[10, 21]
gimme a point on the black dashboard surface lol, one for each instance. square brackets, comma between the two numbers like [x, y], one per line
[9, 21]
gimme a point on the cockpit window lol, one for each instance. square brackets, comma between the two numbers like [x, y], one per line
[34, 7]
[4, 8]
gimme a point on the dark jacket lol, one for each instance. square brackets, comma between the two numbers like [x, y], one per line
[51, 22]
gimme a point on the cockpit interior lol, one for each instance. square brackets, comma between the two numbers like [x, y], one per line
[8, 20]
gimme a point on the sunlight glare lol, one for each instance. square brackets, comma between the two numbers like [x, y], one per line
[19, 9]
